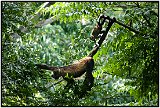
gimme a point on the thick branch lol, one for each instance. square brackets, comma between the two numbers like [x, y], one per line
[45, 22]
[36, 16]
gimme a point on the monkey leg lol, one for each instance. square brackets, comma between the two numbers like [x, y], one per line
[89, 80]
[70, 82]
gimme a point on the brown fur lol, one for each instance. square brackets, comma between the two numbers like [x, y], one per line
[85, 64]
[76, 69]
[95, 32]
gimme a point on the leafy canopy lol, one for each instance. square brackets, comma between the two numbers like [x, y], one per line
[126, 66]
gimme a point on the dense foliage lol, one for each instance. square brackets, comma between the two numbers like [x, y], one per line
[126, 66]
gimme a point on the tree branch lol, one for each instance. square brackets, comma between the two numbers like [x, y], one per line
[118, 22]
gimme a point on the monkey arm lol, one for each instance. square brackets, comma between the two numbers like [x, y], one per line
[104, 34]
[89, 80]
[97, 30]
[76, 69]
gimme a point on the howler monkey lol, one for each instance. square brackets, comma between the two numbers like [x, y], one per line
[76, 69]
[85, 64]
[97, 30]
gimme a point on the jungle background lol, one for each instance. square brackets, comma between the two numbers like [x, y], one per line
[58, 33]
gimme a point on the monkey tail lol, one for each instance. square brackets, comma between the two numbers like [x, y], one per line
[94, 51]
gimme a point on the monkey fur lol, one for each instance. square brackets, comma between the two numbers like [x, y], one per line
[97, 30]
[85, 64]
[95, 33]
[76, 69]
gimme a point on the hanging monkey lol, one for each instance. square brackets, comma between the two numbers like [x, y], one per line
[97, 30]
[85, 64]
[78, 68]
[74, 70]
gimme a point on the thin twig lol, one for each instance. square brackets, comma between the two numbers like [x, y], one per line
[118, 22]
